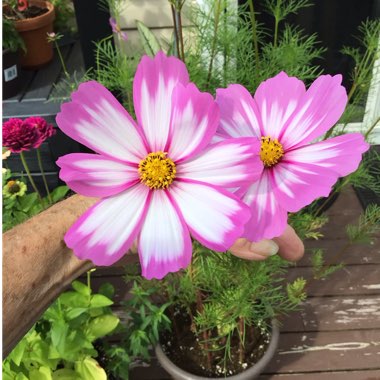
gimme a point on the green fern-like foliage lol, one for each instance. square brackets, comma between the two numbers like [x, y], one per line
[368, 225]
[226, 297]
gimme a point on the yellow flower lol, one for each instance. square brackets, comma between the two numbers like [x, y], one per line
[6, 154]
[14, 189]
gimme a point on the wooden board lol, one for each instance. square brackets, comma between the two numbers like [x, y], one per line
[327, 351]
[351, 280]
[42, 83]
[29, 108]
[74, 62]
[342, 375]
[335, 313]
[354, 254]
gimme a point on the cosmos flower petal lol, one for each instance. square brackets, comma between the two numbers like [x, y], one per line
[105, 232]
[268, 218]
[297, 185]
[214, 216]
[153, 86]
[95, 175]
[341, 154]
[164, 241]
[194, 120]
[96, 119]
[320, 108]
[239, 116]
[228, 163]
[277, 98]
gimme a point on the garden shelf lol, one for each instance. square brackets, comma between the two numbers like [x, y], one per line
[35, 99]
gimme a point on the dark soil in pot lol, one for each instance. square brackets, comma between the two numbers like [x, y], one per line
[186, 351]
[30, 12]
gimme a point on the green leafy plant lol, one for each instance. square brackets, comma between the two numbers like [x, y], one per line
[65, 16]
[140, 330]
[61, 344]
[226, 305]
[11, 39]
[21, 205]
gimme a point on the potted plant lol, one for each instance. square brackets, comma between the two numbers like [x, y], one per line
[223, 313]
[12, 43]
[33, 20]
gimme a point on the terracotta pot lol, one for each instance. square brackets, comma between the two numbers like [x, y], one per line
[12, 83]
[34, 33]
[249, 374]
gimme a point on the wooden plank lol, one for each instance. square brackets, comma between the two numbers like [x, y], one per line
[350, 280]
[354, 254]
[342, 375]
[335, 313]
[44, 79]
[327, 351]
[30, 108]
[74, 61]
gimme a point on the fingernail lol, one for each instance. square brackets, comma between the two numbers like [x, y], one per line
[264, 247]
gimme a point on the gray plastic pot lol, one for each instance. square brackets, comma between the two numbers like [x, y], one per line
[249, 374]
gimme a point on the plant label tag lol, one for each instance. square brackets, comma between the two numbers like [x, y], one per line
[10, 73]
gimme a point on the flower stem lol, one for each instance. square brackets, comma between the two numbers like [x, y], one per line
[180, 32]
[62, 60]
[31, 180]
[254, 34]
[241, 340]
[276, 22]
[371, 128]
[43, 175]
[89, 279]
[214, 40]
[176, 36]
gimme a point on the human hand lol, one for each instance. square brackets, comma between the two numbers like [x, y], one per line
[289, 246]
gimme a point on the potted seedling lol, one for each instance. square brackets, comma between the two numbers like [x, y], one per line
[223, 314]
[33, 20]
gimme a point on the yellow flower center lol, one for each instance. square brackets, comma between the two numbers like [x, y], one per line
[157, 171]
[13, 187]
[271, 151]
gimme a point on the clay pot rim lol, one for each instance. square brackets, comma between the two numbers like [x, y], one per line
[248, 374]
[39, 21]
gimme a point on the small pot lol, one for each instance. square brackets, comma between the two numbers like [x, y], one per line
[249, 374]
[34, 33]
[12, 83]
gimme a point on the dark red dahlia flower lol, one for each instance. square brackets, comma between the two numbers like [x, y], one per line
[19, 136]
[46, 130]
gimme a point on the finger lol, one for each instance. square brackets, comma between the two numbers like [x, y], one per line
[245, 249]
[290, 245]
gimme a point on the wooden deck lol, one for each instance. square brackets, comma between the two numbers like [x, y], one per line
[336, 334]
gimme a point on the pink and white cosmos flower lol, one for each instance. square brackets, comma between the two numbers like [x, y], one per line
[287, 118]
[160, 179]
